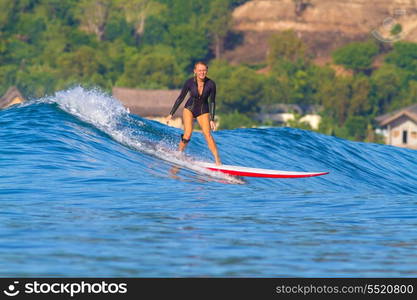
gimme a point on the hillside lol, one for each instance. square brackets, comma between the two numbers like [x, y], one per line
[323, 24]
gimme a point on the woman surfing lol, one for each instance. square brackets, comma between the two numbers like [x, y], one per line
[201, 106]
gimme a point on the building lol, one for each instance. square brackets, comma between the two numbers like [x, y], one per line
[150, 104]
[11, 97]
[400, 127]
[281, 114]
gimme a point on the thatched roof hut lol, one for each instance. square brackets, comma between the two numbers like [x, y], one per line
[148, 103]
[11, 97]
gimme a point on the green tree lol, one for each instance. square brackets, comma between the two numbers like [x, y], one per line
[386, 85]
[156, 29]
[336, 98]
[19, 52]
[7, 76]
[396, 29]
[411, 96]
[117, 57]
[406, 97]
[93, 16]
[356, 127]
[327, 124]
[277, 89]
[181, 10]
[219, 21]
[302, 87]
[286, 46]
[81, 64]
[189, 42]
[357, 56]
[404, 56]
[244, 91]
[119, 31]
[360, 90]
[220, 70]
[6, 12]
[36, 80]
[30, 28]
[235, 120]
[152, 68]
[137, 11]
[55, 11]
[317, 76]
[291, 70]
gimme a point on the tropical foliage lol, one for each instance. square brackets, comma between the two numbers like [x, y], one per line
[49, 45]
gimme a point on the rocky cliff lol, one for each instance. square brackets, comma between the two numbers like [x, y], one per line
[323, 24]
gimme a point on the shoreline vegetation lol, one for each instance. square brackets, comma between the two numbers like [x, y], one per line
[50, 45]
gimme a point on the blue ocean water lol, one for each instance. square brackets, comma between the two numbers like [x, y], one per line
[87, 189]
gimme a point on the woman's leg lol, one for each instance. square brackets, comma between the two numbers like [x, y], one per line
[187, 119]
[204, 122]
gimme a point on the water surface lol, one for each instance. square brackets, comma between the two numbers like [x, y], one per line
[87, 189]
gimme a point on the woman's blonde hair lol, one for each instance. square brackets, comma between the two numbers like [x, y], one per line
[200, 63]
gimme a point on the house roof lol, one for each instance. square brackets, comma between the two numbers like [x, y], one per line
[12, 96]
[410, 112]
[147, 103]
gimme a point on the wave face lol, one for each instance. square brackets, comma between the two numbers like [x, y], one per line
[87, 185]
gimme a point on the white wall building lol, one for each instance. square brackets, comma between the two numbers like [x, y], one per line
[401, 127]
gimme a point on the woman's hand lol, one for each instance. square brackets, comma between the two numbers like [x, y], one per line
[213, 125]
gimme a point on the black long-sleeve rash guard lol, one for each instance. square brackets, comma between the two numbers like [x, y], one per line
[198, 104]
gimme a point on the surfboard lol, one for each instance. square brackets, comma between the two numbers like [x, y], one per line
[254, 172]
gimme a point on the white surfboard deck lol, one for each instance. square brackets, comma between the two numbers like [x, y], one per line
[255, 172]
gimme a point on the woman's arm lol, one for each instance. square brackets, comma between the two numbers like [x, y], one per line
[212, 102]
[180, 98]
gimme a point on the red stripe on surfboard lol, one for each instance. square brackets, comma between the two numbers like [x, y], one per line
[251, 174]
